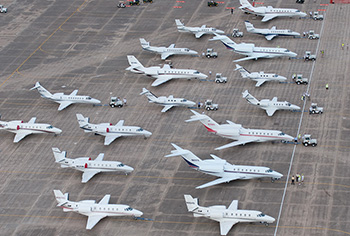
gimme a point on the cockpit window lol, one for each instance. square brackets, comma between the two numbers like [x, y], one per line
[281, 134]
[288, 104]
[261, 215]
[183, 100]
[128, 209]
[297, 11]
[49, 127]
[88, 98]
[269, 171]
[120, 165]
[187, 50]
[275, 76]
[286, 50]
[140, 129]
[196, 72]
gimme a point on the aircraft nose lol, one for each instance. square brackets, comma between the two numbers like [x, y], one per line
[292, 54]
[295, 107]
[57, 131]
[282, 78]
[191, 104]
[138, 213]
[128, 169]
[220, 32]
[278, 175]
[204, 76]
[193, 52]
[147, 133]
[96, 101]
[303, 14]
[288, 138]
[269, 219]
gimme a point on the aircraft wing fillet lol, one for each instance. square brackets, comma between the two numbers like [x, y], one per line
[270, 36]
[199, 34]
[260, 82]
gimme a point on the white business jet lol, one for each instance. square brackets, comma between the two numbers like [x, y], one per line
[226, 217]
[259, 77]
[166, 52]
[222, 169]
[89, 167]
[163, 74]
[252, 52]
[197, 31]
[22, 129]
[167, 102]
[270, 33]
[111, 132]
[269, 12]
[64, 100]
[270, 106]
[94, 211]
[237, 132]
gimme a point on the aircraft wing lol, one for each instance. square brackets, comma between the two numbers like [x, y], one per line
[199, 34]
[242, 141]
[260, 82]
[64, 105]
[161, 79]
[105, 199]
[94, 219]
[167, 107]
[255, 57]
[226, 225]
[32, 120]
[271, 110]
[100, 157]
[218, 181]
[270, 36]
[21, 134]
[165, 55]
[74, 93]
[110, 138]
[120, 123]
[268, 17]
[88, 174]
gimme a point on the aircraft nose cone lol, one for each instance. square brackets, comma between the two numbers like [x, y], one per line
[303, 14]
[269, 219]
[96, 101]
[57, 131]
[278, 175]
[138, 213]
[220, 31]
[288, 138]
[292, 54]
[204, 76]
[128, 169]
[193, 52]
[147, 133]
[295, 107]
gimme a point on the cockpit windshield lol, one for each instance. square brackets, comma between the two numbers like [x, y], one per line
[196, 72]
[275, 76]
[269, 171]
[140, 129]
[120, 165]
[261, 215]
[183, 100]
[49, 127]
[281, 134]
[128, 209]
[288, 104]
[286, 50]
[187, 50]
[88, 98]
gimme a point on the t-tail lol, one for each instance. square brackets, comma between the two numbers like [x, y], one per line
[60, 197]
[144, 43]
[191, 159]
[250, 98]
[243, 71]
[249, 26]
[191, 203]
[229, 43]
[60, 157]
[179, 25]
[149, 95]
[245, 4]
[83, 121]
[134, 64]
[43, 92]
[208, 122]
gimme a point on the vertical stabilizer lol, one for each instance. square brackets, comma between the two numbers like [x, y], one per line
[82, 120]
[250, 99]
[208, 122]
[43, 92]
[151, 97]
[243, 71]
[187, 155]
[60, 198]
[144, 43]
[134, 63]
[191, 203]
[179, 24]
